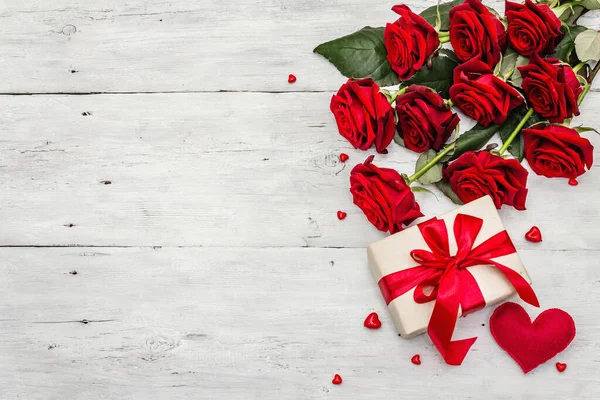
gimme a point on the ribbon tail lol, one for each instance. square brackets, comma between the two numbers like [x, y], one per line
[457, 351]
[524, 290]
[443, 321]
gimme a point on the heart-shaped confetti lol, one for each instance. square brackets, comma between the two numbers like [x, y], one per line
[372, 321]
[534, 235]
[341, 215]
[337, 380]
[291, 78]
[416, 359]
[573, 182]
[561, 366]
[344, 157]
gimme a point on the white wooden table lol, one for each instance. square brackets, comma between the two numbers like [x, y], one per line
[213, 265]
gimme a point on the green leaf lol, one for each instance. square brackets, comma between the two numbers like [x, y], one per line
[447, 190]
[398, 139]
[590, 4]
[439, 77]
[516, 79]
[421, 189]
[434, 174]
[360, 55]
[576, 12]
[565, 47]
[450, 54]
[431, 14]
[473, 139]
[583, 129]
[587, 45]
[509, 63]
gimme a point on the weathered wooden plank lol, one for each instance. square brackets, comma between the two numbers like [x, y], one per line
[256, 323]
[154, 45]
[220, 169]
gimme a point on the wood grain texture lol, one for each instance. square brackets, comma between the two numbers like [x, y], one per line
[218, 169]
[257, 323]
[182, 46]
[202, 224]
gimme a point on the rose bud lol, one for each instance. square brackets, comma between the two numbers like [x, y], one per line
[363, 114]
[551, 88]
[476, 33]
[481, 95]
[384, 197]
[476, 174]
[410, 42]
[556, 151]
[532, 28]
[424, 121]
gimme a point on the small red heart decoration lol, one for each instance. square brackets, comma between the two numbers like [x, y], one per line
[341, 215]
[531, 344]
[573, 182]
[291, 78]
[561, 367]
[344, 157]
[416, 359]
[534, 235]
[337, 380]
[372, 321]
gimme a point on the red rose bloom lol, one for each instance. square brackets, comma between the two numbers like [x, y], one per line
[384, 197]
[551, 88]
[556, 151]
[476, 33]
[532, 28]
[481, 95]
[476, 174]
[424, 121]
[410, 42]
[363, 114]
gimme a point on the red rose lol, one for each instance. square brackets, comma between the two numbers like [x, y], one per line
[551, 88]
[556, 151]
[476, 174]
[424, 121]
[363, 114]
[384, 197]
[476, 33]
[532, 28]
[481, 95]
[410, 42]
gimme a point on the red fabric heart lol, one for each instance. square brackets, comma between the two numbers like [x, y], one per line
[531, 344]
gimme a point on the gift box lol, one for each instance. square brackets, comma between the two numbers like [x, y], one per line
[433, 273]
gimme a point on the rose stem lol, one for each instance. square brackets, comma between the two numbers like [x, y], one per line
[398, 93]
[515, 132]
[589, 85]
[431, 163]
[444, 37]
[579, 66]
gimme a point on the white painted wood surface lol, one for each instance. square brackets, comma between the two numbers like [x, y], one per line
[213, 266]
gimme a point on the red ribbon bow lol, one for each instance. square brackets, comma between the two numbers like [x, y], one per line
[453, 285]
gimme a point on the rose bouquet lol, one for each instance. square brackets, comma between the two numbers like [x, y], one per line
[522, 75]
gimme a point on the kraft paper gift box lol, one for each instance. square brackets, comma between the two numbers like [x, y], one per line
[394, 254]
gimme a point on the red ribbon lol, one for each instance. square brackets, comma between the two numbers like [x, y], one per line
[453, 285]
